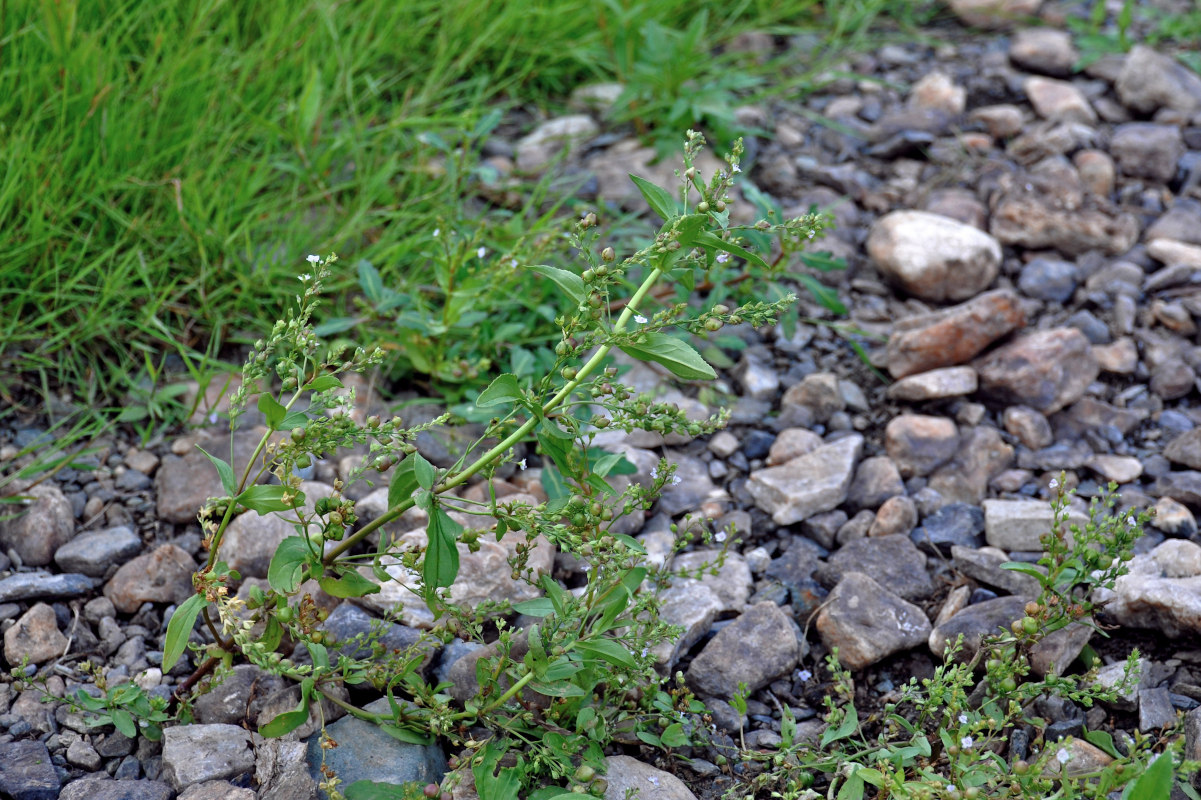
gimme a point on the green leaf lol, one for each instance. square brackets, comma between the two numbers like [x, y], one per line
[403, 483]
[405, 735]
[423, 471]
[372, 790]
[441, 565]
[294, 419]
[323, 383]
[273, 634]
[848, 726]
[569, 282]
[538, 607]
[823, 261]
[370, 280]
[503, 389]
[224, 470]
[319, 653]
[271, 408]
[822, 294]
[179, 629]
[289, 720]
[559, 688]
[1026, 569]
[123, 721]
[606, 650]
[673, 735]
[493, 785]
[679, 357]
[658, 198]
[335, 325]
[555, 593]
[265, 499]
[287, 565]
[708, 239]
[1102, 740]
[350, 584]
[852, 789]
[1156, 782]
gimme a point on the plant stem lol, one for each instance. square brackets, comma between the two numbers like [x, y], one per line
[517, 435]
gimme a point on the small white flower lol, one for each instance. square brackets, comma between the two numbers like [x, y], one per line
[305, 278]
[1054, 484]
[675, 480]
[641, 320]
[967, 741]
[723, 257]
[521, 463]
[735, 168]
[812, 234]
[313, 259]
[1063, 756]
[654, 473]
[437, 232]
[720, 536]
[804, 674]
[963, 719]
[513, 263]
[483, 251]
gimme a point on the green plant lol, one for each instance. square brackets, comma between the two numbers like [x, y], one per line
[940, 739]
[553, 694]
[60, 447]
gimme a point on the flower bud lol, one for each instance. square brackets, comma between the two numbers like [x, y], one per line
[608, 254]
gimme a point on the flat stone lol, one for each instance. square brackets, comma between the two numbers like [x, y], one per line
[994, 14]
[42, 524]
[281, 772]
[1001, 121]
[1046, 370]
[1059, 101]
[1119, 357]
[163, 576]
[1161, 591]
[954, 524]
[982, 456]
[626, 775]
[918, 443]
[1058, 649]
[1150, 81]
[1181, 222]
[1174, 519]
[43, 586]
[876, 480]
[1025, 220]
[984, 565]
[1111, 676]
[898, 515]
[367, 753]
[1175, 253]
[757, 647]
[1119, 469]
[1082, 759]
[83, 755]
[1019, 524]
[1183, 486]
[239, 698]
[105, 789]
[819, 393]
[811, 484]
[892, 561]
[92, 552]
[1029, 425]
[792, 443]
[1091, 414]
[692, 606]
[199, 753]
[351, 625]
[731, 582]
[1155, 709]
[953, 335]
[26, 771]
[936, 384]
[1097, 171]
[1147, 150]
[974, 623]
[35, 636]
[934, 257]
[183, 483]
[867, 623]
[693, 488]
[1044, 50]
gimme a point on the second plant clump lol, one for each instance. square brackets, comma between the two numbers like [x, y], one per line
[552, 696]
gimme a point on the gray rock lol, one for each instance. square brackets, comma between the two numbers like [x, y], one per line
[876, 480]
[892, 561]
[693, 488]
[1046, 370]
[1183, 486]
[1150, 81]
[1181, 223]
[41, 525]
[83, 755]
[1155, 709]
[692, 606]
[730, 583]
[982, 456]
[92, 552]
[754, 649]
[1059, 456]
[1028, 425]
[1046, 279]
[757, 377]
[35, 636]
[867, 623]
[1058, 649]
[808, 485]
[215, 790]
[1110, 676]
[163, 576]
[199, 753]
[1174, 519]
[538, 148]
[1025, 219]
[1044, 50]
[626, 775]
[974, 623]
[936, 384]
[1162, 590]
[1192, 739]
[348, 622]
[954, 335]
[26, 771]
[281, 772]
[819, 393]
[1185, 449]
[1173, 379]
[104, 789]
[934, 257]
[1058, 101]
[1019, 524]
[1147, 150]
[954, 524]
[239, 698]
[918, 443]
[182, 484]
[366, 753]
[994, 14]
[984, 565]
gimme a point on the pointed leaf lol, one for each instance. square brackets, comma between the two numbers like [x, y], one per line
[287, 565]
[323, 383]
[405, 735]
[423, 471]
[679, 357]
[179, 629]
[370, 280]
[1156, 782]
[607, 650]
[350, 584]
[707, 239]
[403, 483]
[569, 282]
[503, 389]
[658, 198]
[271, 408]
[822, 294]
[224, 470]
[123, 722]
[289, 720]
[265, 499]
[441, 565]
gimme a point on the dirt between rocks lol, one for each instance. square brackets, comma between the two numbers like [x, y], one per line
[1025, 243]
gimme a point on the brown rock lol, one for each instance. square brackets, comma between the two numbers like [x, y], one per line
[934, 257]
[1044, 50]
[40, 526]
[981, 457]
[1046, 370]
[936, 384]
[35, 636]
[1097, 171]
[867, 623]
[164, 576]
[1120, 357]
[1059, 101]
[1150, 81]
[994, 14]
[897, 515]
[953, 335]
[1001, 121]
[1146, 150]
[918, 444]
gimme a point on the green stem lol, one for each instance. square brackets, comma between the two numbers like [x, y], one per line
[517, 435]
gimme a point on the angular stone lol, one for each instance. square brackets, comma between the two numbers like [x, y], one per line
[41, 525]
[1019, 524]
[1081, 758]
[92, 552]
[984, 565]
[1058, 649]
[163, 576]
[26, 771]
[1046, 370]
[239, 698]
[1044, 50]
[1150, 81]
[792, 443]
[819, 393]
[754, 649]
[42, 586]
[628, 777]
[937, 384]
[1182, 222]
[974, 623]
[808, 485]
[1111, 676]
[182, 484]
[1059, 101]
[1147, 150]
[1119, 357]
[1162, 591]
[934, 257]
[867, 623]
[982, 456]
[281, 772]
[876, 480]
[732, 582]
[898, 515]
[892, 561]
[105, 789]
[1001, 121]
[1025, 220]
[34, 636]
[692, 606]
[918, 444]
[994, 14]
[1155, 709]
[1183, 486]
[953, 335]
[1028, 425]
[1097, 171]
[954, 524]
[198, 753]
[1175, 253]
[1174, 518]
